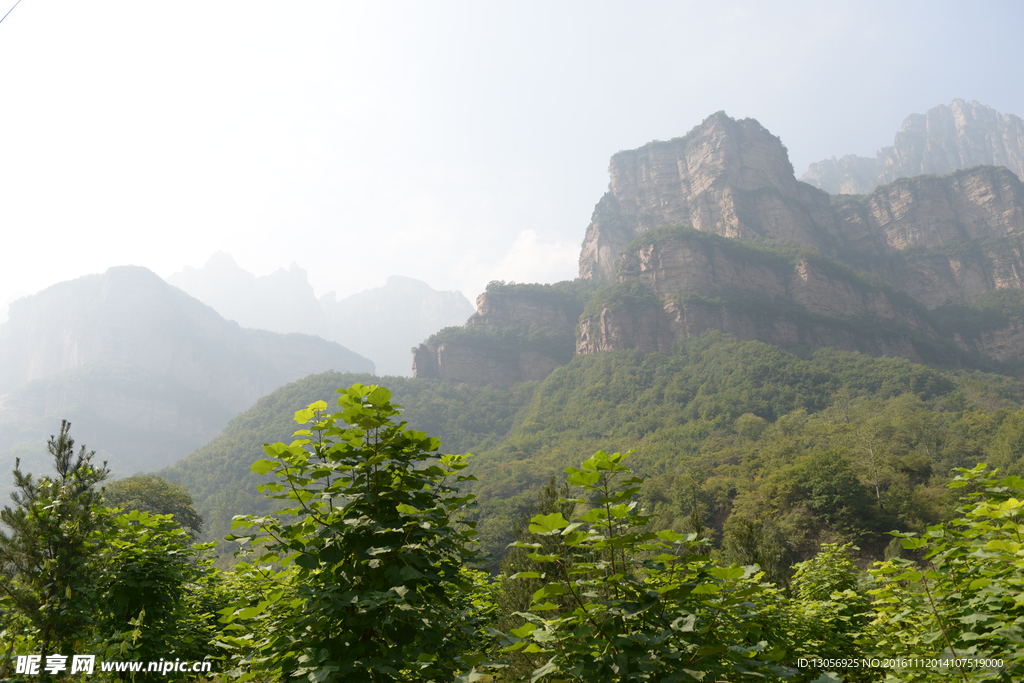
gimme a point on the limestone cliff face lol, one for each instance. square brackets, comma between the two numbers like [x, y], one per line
[930, 211]
[729, 177]
[932, 240]
[685, 261]
[941, 141]
[498, 310]
[733, 178]
[476, 366]
[751, 293]
[476, 362]
[1006, 344]
[616, 329]
[948, 239]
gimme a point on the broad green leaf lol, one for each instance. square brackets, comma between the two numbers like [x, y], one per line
[541, 524]
[263, 466]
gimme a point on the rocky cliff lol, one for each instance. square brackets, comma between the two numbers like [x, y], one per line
[732, 178]
[771, 258]
[679, 282]
[941, 141]
[518, 333]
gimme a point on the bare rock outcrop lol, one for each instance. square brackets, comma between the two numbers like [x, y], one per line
[771, 258]
[455, 363]
[732, 178]
[698, 282]
[496, 310]
[941, 141]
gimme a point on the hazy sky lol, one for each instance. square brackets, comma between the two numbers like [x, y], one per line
[454, 142]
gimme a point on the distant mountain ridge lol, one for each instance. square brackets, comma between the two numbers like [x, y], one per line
[144, 371]
[383, 323]
[940, 141]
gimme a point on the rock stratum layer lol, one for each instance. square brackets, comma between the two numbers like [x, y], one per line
[943, 140]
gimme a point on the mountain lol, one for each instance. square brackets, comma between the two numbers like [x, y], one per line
[282, 301]
[382, 323]
[943, 140]
[810, 365]
[141, 369]
[713, 231]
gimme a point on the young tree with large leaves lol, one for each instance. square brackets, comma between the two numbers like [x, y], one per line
[45, 554]
[366, 566]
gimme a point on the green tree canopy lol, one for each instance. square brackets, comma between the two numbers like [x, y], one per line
[157, 496]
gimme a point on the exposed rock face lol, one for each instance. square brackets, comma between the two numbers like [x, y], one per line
[962, 272]
[932, 240]
[130, 316]
[751, 293]
[729, 177]
[497, 310]
[615, 329]
[477, 362]
[463, 364]
[943, 140]
[981, 202]
[733, 178]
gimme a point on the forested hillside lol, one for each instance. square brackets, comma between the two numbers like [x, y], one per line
[833, 446]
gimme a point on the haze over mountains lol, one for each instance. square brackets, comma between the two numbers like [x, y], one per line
[940, 141]
[382, 324]
[145, 372]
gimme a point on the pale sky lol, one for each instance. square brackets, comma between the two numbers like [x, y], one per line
[453, 142]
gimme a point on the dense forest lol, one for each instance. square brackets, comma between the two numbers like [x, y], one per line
[726, 511]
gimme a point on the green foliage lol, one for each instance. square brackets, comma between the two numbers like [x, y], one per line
[149, 580]
[964, 600]
[372, 550]
[643, 606]
[720, 425]
[155, 495]
[219, 476]
[46, 554]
